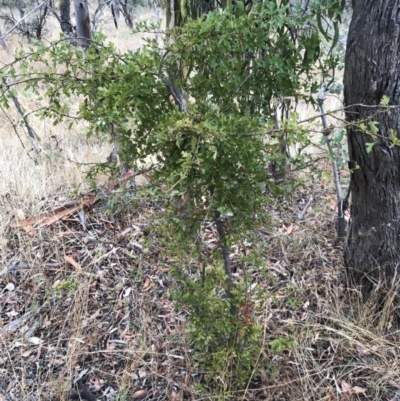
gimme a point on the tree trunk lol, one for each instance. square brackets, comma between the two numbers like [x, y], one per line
[372, 70]
[127, 15]
[82, 22]
[65, 16]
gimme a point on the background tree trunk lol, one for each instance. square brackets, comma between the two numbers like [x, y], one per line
[65, 16]
[372, 71]
[82, 22]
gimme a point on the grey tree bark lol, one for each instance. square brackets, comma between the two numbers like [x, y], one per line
[82, 22]
[372, 71]
[65, 16]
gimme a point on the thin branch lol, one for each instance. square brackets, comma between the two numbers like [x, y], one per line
[344, 109]
[341, 225]
[305, 9]
[16, 132]
[54, 12]
[303, 212]
[3, 43]
[31, 133]
[220, 225]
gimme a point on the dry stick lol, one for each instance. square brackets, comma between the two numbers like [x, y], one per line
[32, 136]
[16, 132]
[225, 249]
[220, 225]
[341, 223]
[304, 211]
[3, 43]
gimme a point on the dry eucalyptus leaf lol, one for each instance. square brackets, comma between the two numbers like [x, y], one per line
[10, 287]
[35, 340]
[15, 324]
[359, 390]
[139, 394]
[346, 387]
[72, 262]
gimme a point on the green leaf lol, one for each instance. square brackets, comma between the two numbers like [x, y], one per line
[239, 8]
[385, 100]
[321, 28]
[369, 146]
[362, 127]
[335, 39]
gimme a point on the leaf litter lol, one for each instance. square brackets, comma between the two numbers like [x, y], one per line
[85, 313]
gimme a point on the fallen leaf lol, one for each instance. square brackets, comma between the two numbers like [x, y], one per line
[126, 231]
[359, 390]
[29, 230]
[20, 214]
[15, 324]
[18, 344]
[360, 350]
[95, 314]
[127, 175]
[35, 340]
[147, 284]
[139, 394]
[135, 243]
[175, 396]
[72, 262]
[95, 382]
[10, 287]
[289, 229]
[346, 387]
[147, 177]
[46, 321]
[82, 218]
[38, 354]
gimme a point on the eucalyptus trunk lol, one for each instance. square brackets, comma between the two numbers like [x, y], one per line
[372, 72]
[82, 22]
[65, 16]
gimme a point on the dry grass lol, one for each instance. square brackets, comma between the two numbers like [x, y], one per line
[106, 323]
[24, 186]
